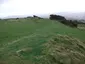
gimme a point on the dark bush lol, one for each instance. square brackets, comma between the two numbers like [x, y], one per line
[63, 20]
[56, 17]
[17, 18]
[37, 17]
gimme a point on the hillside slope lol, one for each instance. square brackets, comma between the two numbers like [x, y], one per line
[21, 40]
[63, 49]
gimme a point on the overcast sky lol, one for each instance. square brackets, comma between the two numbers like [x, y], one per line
[30, 7]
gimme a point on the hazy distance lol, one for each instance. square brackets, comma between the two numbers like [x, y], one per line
[22, 8]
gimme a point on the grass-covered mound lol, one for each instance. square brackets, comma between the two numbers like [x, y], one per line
[21, 39]
[63, 49]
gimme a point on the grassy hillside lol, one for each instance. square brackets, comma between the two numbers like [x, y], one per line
[62, 49]
[21, 40]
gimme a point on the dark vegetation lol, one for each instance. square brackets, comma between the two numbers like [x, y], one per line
[37, 17]
[56, 17]
[71, 23]
[17, 18]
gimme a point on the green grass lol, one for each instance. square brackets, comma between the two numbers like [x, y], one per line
[29, 35]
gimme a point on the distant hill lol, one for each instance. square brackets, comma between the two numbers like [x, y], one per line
[68, 15]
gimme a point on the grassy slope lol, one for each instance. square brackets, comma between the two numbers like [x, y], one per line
[29, 34]
[63, 49]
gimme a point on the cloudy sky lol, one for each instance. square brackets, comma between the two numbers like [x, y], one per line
[30, 7]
